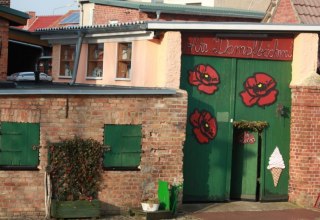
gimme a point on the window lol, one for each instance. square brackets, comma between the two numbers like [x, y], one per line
[67, 60]
[17, 141]
[124, 60]
[125, 146]
[95, 60]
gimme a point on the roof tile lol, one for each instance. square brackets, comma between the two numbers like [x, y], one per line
[43, 22]
[308, 11]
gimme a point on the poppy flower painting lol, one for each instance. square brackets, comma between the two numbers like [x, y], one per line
[259, 89]
[205, 77]
[204, 126]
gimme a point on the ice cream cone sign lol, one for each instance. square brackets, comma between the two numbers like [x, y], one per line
[276, 165]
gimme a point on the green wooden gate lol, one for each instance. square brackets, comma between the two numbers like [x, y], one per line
[207, 162]
[221, 90]
[275, 113]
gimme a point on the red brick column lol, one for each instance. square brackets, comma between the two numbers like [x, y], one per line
[4, 30]
[304, 183]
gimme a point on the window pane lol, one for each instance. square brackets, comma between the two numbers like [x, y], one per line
[124, 60]
[67, 59]
[95, 60]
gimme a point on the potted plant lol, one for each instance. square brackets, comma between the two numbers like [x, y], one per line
[75, 169]
[150, 205]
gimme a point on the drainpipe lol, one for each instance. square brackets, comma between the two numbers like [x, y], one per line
[77, 58]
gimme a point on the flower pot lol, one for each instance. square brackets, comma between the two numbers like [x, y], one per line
[149, 207]
[75, 209]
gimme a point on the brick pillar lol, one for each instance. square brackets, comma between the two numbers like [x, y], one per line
[304, 184]
[5, 3]
[4, 27]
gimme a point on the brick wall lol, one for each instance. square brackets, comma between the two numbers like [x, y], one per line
[304, 184]
[5, 3]
[4, 28]
[285, 13]
[103, 14]
[163, 120]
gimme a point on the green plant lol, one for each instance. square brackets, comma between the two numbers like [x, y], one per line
[75, 168]
[256, 126]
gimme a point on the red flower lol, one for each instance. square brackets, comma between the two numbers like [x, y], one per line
[205, 77]
[204, 126]
[259, 89]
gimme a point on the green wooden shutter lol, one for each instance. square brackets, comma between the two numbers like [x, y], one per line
[16, 144]
[125, 145]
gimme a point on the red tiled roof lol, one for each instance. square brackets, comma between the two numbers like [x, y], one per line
[43, 22]
[308, 11]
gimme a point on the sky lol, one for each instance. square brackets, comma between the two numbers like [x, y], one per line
[45, 7]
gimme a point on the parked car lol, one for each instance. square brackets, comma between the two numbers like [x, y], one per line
[28, 76]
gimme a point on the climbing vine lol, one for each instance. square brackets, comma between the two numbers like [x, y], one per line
[75, 168]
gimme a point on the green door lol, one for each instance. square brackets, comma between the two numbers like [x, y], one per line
[273, 106]
[210, 86]
[221, 90]
[245, 158]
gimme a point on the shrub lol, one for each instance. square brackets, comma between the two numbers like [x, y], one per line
[75, 168]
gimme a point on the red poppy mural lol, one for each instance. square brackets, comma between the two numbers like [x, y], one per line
[205, 77]
[259, 89]
[204, 126]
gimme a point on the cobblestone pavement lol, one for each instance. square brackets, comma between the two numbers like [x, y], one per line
[239, 210]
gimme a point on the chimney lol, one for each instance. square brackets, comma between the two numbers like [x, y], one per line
[30, 21]
[5, 3]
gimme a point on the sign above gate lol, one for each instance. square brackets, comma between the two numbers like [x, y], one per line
[270, 48]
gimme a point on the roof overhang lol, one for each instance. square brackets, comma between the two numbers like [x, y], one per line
[97, 33]
[233, 27]
[147, 30]
[14, 17]
[151, 7]
[30, 88]
[17, 34]
[71, 38]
